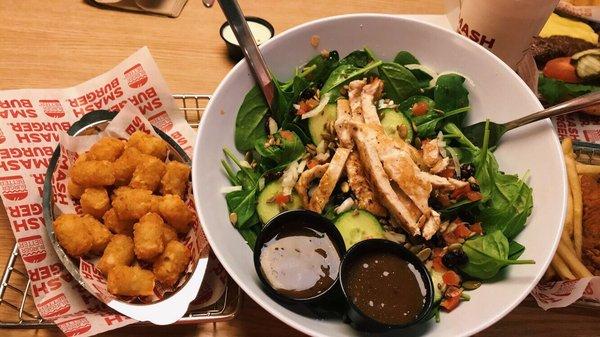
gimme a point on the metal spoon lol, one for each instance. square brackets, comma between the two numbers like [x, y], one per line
[237, 21]
[475, 132]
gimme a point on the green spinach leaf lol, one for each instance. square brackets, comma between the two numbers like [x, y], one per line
[287, 147]
[242, 203]
[322, 67]
[515, 250]
[508, 200]
[430, 127]
[343, 74]
[487, 255]
[399, 82]
[450, 94]
[509, 207]
[250, 234]
[403, 58]
[357, 58]
[250, 120]
[555, 91]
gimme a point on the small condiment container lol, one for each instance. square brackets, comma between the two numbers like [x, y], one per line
[294, 224]
[261, 29]
[357, 317]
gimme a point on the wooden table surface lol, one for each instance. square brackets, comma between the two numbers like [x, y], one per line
[61, 43]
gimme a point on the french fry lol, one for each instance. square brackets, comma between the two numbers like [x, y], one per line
[575, 186]
[569, 217]
[561, 268]
[587, 169]
[567, 241]
[567, 146]
[572, 261]
[550, 273]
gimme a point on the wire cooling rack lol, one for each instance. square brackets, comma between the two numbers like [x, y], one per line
[17, 309]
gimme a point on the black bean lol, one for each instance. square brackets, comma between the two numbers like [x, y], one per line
[455, 258]
[466, 171]
[475, 187]
[307, 93]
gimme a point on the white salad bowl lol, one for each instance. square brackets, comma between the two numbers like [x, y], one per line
[496, 92]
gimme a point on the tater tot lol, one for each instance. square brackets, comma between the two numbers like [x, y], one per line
[169, 234]
[116, 224]
[171, 263]
[130, 281]
[93, 173]
[72, 235]
[148, 144]
[125, 165]
[175, 212]
[148, 237]
[148, 173]
[132, 204]
[95, 201]
[98, 232]
[118, 252]
[175, 179]
[74, 190]
[107, 148]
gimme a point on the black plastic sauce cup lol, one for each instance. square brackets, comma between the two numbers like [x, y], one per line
[300, 218]
[359, 319]
[233, 49]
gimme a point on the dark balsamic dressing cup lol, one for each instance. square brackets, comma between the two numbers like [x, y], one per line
[300, 218]
[359, 319]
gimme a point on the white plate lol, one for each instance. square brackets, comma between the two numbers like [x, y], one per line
[498, 93]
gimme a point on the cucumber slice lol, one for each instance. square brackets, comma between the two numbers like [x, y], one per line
[267, 209]
[358, 225]
[318, 123]
[392, 120]
[438, 284]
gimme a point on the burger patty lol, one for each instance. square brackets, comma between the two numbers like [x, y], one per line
[545, 49]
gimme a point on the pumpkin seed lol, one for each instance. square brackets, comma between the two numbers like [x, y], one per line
[233, 217]
[415, 249]
[471, 284]
[424, 254]
[454, 246]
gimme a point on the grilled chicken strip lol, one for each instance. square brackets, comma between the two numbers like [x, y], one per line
[354, 96]
[306, 178]
[342, 129]
[432, 225]
[370, 93]
[398, 209]
[401, 169]
[330, 178]
[442, 183]
[361, 187]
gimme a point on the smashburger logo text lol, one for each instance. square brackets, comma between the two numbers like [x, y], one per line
[75, 326]
[32, 248]
[16, 108]
[54, 306]
[52, 108]
[136, 76]
[13, 188]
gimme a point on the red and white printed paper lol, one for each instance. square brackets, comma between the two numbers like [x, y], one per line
[563, 293]
[31, 121]
[578, 126]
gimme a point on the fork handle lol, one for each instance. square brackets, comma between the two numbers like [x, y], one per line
[569, 106]
[237, 21]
